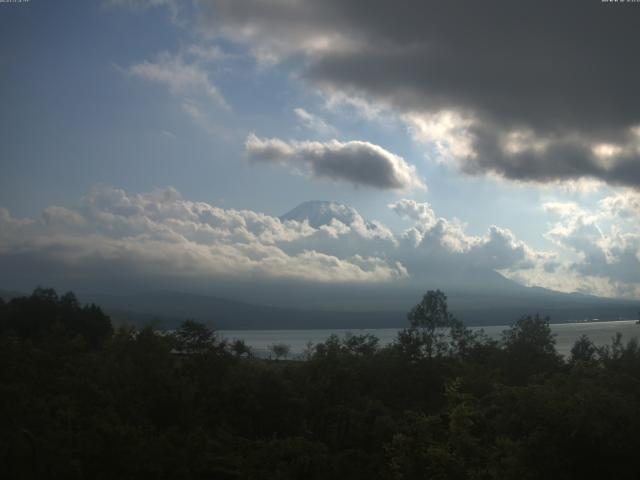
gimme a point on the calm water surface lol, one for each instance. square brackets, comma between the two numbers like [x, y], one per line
[600, 333]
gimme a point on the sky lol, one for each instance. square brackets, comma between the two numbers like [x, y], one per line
[156, 143]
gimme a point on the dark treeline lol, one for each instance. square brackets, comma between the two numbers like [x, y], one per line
[79, 400]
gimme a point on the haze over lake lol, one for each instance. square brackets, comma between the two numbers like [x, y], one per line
[600, 333]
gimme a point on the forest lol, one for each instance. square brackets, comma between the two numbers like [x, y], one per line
[80, 399]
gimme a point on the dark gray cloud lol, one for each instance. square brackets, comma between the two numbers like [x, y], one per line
[548, 89]
[360, 163]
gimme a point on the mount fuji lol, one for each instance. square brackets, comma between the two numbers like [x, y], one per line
[319, 212]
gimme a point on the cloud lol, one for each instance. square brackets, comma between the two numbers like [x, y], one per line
[114, 234]
[526, 92]
[447, 131]
[445, 241]
[208, 53]
[356, 162]
[180, 77]
[544, 157]
[313, 122]
[161, 238]
[419, 212]
[562, 209]
[500, 249]
[277, 29]
[200, 118]
[624, 205]
[160, 235]
[609, 253]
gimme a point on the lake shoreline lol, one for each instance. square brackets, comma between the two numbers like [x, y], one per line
[601, 333]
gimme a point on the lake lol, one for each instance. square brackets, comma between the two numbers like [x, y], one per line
[600, 333]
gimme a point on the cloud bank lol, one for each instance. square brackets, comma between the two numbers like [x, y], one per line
[160, 235]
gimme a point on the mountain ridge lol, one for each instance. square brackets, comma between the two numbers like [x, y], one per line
[228, 314]
[166, 309]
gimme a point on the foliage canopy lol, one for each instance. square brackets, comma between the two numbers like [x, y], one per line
[79, 400]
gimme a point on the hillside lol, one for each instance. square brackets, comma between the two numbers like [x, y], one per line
[168, 308]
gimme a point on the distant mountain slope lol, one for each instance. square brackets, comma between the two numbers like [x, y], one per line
[169, 308]
[7, 295]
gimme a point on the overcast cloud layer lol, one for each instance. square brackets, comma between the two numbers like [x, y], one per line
[533, 91]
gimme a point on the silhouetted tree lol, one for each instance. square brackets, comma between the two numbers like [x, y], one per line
[43, 312]
[583, 351]
[194, 337]
[530, 348]
[433, 330]
[363, 345]
[280, 350]
[240, 348]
